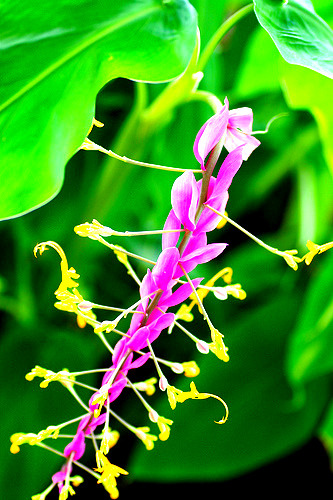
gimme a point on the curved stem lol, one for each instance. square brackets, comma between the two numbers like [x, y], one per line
[221, 31]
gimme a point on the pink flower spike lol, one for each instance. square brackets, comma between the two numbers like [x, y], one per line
[241, 118]
[239, 132]
[210, 134]
[160, 324]
[164, 268]
[184, 199]
[200, 256]
[182, 293]
[89, 423]
[228, 170]
[77, 445]
[139, 339]
[171, 239]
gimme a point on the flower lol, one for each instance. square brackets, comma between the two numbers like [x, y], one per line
[177, 396]
[109, 474]
[239, 130]
[164, 427]
[233, 127]
[147, 439]
[76, 446]
[211, 133]
[185, 199]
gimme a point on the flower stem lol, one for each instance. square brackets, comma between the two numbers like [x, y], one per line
[287, 254]
[87, 469]
[219, 34]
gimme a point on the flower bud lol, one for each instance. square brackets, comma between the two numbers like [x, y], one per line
[202, 346]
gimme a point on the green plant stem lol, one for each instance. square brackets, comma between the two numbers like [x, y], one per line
[219, 34]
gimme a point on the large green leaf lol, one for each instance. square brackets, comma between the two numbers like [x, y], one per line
[300, 88]
[55, 59]
[264, 422]
[301, 36]
[310, 353]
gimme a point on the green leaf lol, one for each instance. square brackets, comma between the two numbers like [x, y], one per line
[310, 91]
[264, 422]
[301, 36]
[310, 353]
[56, 59]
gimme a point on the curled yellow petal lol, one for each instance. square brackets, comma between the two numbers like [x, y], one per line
[179, 396]
[69, 275]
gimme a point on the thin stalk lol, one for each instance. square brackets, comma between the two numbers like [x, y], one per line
[219, 34]
[250, 235]
[87, 469]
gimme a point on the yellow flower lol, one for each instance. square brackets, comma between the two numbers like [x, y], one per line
[110, 439]
[164, 427]
[63, 376]
[20, 438]
[68, 300]
[148, 386]
[177, 396]
[184, 313]
[225, 274]
[87, 142]
[93, 230]
[147, 439]
[191, 369]
[315, 249]
[109, 474]
[69, 275]
[217, 346]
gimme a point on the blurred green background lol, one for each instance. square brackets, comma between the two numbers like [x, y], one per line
[278, 382]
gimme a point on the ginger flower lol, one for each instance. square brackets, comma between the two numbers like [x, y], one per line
[178, 396]
[164, 427]
[315, 249]
[148, 439]
[191, 369]
[109, 474]
[217, 346]
[109, 440]
[232, 127]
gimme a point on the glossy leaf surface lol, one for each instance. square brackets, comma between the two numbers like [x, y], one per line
[301, 36]
[57, 58]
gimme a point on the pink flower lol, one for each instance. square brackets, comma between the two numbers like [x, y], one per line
[234, 126]
[210, 134]
[77, 445]
[185, 199]
[89, 423]
[60, 476]
[239, 132]
[164, 268]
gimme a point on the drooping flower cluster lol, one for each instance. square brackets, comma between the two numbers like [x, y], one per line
[198, 207]
[167, 284]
